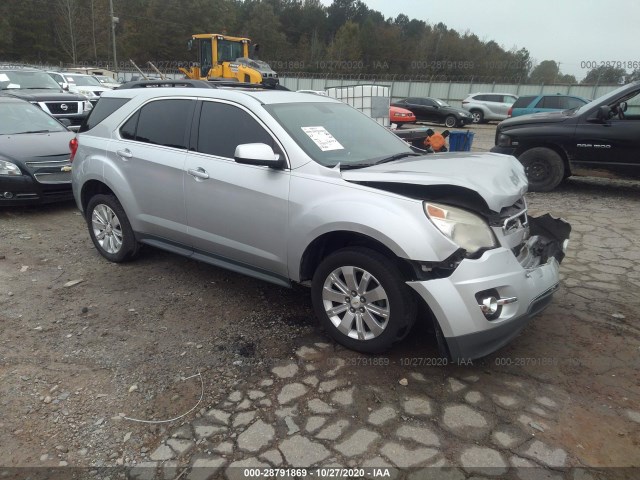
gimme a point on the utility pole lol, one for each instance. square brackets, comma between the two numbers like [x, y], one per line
[114, 20]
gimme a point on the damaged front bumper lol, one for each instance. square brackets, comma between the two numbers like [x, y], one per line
[487, 301]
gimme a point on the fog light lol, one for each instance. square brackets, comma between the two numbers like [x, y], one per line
[7, 195]
[491, 304]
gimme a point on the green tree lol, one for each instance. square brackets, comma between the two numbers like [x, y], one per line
[546, 72]
[605, 75]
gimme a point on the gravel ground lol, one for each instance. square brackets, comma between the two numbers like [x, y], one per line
[88, 348]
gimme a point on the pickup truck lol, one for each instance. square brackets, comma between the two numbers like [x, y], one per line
[601, 138]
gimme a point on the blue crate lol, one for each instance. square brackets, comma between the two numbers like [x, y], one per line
[460, 141]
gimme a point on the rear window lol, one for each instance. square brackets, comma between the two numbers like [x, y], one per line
[523, 102]
[104, 108]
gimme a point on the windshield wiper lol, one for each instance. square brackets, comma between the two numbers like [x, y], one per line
[353, 166]
[397, 156]
[33, 131]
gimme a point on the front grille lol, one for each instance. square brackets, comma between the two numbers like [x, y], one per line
[56, 107]
[51, 171]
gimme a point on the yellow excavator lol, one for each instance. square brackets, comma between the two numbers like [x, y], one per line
[222, 57]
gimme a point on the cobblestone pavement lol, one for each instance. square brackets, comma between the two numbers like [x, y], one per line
[516, 414]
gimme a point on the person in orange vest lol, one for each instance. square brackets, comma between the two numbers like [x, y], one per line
[436, 142]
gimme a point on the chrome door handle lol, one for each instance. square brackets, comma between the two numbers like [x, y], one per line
[126, 153]
[198, 173]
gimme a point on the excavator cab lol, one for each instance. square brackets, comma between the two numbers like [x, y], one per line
[222, 57]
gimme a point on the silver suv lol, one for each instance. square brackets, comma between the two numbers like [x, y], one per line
[296, 188]
[485, 107]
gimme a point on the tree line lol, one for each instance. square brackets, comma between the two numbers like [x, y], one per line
[346, 37]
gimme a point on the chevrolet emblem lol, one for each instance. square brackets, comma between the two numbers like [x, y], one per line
[66, 168]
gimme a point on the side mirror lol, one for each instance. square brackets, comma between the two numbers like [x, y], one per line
[604, 113]
[257, 154]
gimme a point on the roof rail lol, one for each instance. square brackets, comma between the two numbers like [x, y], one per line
[190, 83]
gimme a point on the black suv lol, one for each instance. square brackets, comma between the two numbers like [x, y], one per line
[38, 88]
[600, 138]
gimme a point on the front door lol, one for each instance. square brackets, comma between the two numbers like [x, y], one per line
[237, 214]
[612, 145]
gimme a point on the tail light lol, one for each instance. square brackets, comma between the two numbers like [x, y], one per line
[73, 146]
[510, 111]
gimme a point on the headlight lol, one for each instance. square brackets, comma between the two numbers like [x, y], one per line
[8, 168]
[86, 93]
[504, 140]
[464, 228]
[87, 106]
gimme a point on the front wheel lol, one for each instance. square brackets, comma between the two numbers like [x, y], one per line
[362, 300]
[544, 168]
[450, 121]
[110, 229]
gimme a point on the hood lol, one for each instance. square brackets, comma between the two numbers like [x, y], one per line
[45, 95]
[541, 117]
[499, 179]
[35, 146]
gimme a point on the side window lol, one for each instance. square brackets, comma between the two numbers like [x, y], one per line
[481, 98]
[104, 108]
[523, 102]
[128, 130]
[427, 103]
[162, 122]
[574, 102]
[494, 98]
[223, 127]
[550, 102]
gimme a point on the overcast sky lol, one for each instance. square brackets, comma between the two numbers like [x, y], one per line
[567, 31]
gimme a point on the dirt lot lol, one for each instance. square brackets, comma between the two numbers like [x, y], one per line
[78, 362]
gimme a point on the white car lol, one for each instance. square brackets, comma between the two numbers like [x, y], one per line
[485, 107]
[87, 85]
[296, 188]
[107, 81]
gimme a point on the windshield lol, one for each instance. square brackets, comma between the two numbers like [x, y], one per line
[26, 79]
[82, 81]
[442, 103]
[335, 133]
[22, 117]
[604, 99]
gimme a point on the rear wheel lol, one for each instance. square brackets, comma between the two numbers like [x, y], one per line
[477, 116]
[362, 300]
[110, 229]
[544, 168]
[450, 121]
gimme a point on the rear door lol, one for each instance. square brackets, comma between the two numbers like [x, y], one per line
[149, 155]
[237, 214]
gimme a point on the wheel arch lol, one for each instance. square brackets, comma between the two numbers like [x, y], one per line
[92, 188]
[327, 243]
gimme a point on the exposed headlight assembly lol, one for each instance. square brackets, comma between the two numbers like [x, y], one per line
[464, 228]
[8, 168]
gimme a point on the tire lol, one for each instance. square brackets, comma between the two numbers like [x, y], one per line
[450, 121]
[110, 229]
[544, 168]
[358, 323]
[478, 116]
